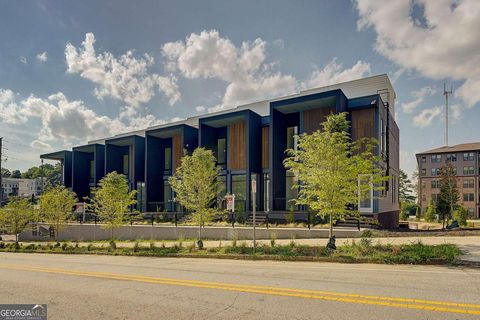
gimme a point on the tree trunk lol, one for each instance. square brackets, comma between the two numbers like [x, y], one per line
[111, 234]
[16, 239]
[330, 231]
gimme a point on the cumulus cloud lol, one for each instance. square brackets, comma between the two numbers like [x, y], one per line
[334, 72]
[419, 98]
[439, 39]
[279, 43]
[37, 144]
[9, 109]
[200, 108]
[23, 60]
[207, 55]
[124, 78]
[42, 57]
[425, 118]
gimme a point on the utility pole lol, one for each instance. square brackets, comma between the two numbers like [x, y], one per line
[446, 94]
[1, 185]
[254, 204]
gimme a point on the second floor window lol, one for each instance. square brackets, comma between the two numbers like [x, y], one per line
[125, 165]
[168, 159]
[436, 158]
[222, 151]
[424, 159]
[452, 157]
[468, 156]
[435, 171]
[468, 170]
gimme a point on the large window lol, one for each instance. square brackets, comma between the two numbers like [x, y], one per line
[168, 159]
[167, 197]
[468, 156]
[435, 171]
[424, 159]
[92, 171]
[436, 158]
[468, 183]
[423, 172]
[239, 189]
[266, 190]
[291, 137]
[365, 193]
[468, 170]
[291, 192]
[222, 151]
[452, 157]
[435, 184]
[468, 197]
[125, 165]
[221, 191]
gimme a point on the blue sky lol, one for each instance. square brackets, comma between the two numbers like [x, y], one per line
[75, 71]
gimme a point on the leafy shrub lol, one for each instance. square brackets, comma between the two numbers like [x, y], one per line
[64, 246]
[136, 246]
[289, 217]
[367, 233]
[89, 247]
[113, 245]
[461, 215]
[2, 245]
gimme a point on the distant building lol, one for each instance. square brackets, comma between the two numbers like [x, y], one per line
[21, 187]
[249, 142]
[465, 159]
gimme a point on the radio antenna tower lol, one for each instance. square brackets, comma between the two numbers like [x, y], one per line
[446, 94]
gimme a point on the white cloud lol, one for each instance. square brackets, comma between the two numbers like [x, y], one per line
[125, 78]
[456, 111]
[37, 144]
[200, 108]
[440, 42]
[9, 109]
[419, 96]
[23, 60]
[42, 57]
[334, 72]
[425, 118]
[208, 55]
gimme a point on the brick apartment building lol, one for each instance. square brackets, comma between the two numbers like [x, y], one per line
[465, 159]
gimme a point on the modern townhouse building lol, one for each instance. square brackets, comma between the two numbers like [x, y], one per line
[249, 142]
[465, 159]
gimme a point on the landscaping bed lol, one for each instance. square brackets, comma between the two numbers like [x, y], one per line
[362, 251]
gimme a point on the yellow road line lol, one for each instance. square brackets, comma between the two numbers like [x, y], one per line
[407, 303]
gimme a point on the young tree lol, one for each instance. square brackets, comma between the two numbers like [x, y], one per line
[403, 211]
[461, 215]
[431, 212]
[332, 171]
[16, 215]
[405, 188]
[56, 204]
[195, 186]
[448, 196]
[111, 201]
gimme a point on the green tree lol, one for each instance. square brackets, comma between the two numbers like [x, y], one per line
[56, 204]
[461, 215]
[16, 174]
[431, 212]
[16, 215]
[332, 171]
[195, 186]
[51, 173]
[112, 201]
[403, 211]
[448, 196]
[405, 188]
[418, 213]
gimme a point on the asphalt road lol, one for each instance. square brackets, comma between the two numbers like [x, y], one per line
[114, 287]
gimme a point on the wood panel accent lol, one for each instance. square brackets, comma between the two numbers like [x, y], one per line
[265, 147]
[363, 123]
[313, 118]
[177, 150]
[236, 146]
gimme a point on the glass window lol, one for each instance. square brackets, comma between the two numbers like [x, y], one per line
[424, 159]
[471, 211]
[365, 192]
[239, 189]
[436, 158]
[221, 191]
[92, 170]
[125, 165]
[424, 172]
[435, 171]
[167, 196]
[291, 137]
[290, 194]
[452, 157]
[468, 156]
[468, 183]
[222, 151]
[468, 170]
[468, 197]
[266, 189]
[435, 184]
[168, 159]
